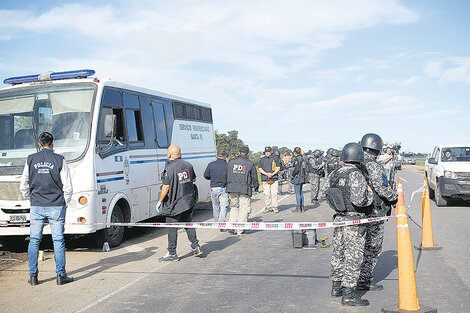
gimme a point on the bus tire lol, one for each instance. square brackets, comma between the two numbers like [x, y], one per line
[114, 234]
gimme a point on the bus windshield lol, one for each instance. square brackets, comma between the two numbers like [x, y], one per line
[62, 110]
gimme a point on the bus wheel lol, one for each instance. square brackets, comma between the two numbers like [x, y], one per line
[114, 234]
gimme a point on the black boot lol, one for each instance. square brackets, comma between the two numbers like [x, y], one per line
[301, 208]
[33, 280]
[336, 289]
[369, 286]
[62, 280]
[297, 209]
[351, 298]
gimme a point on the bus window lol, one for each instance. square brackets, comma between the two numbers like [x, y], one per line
[112, 98]
[160, 124]
[133, 118]
[207, 115]
[190, 114]
[198, 115]
[178, 110]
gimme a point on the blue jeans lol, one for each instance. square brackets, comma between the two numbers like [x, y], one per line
[42, 214]
[299, 196]
[219, 204]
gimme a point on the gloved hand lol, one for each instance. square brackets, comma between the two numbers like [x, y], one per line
[256, 193]
[158, 206]
[222, 189]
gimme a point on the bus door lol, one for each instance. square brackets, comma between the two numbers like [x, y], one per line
[162, 142]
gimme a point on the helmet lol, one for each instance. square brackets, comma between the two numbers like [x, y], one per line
[352, 152]
[335, 152]
[277, 153]
[372, 141]
[328, 152]
[317, 153]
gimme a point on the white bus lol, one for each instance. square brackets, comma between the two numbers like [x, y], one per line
[114, 138]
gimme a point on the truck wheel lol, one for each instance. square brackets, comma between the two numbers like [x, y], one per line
[440, 201]
[114, 234]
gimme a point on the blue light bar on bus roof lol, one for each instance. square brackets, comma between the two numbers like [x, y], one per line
[49, 76]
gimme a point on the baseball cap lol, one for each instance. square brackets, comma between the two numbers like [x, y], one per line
[268, 149]
[244, 149]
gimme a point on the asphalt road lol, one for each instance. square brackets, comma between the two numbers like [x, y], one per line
[259, 272]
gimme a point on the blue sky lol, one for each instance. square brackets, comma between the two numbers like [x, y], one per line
[314, 74]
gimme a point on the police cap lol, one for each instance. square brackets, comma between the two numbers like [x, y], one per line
[372, 141]
[268, 149]
[352, 152]
[277, 153]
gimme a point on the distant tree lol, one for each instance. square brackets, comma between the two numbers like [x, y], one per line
[229, 142]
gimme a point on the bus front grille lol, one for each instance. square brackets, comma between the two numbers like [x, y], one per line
[10, 191]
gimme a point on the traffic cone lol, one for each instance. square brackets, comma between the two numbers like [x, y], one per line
[400, 196]
[427, 238]
[407, 294]
[423, 199]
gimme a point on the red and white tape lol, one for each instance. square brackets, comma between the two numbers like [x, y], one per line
[230, 225]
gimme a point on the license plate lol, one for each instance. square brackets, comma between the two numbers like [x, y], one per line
[18, 219]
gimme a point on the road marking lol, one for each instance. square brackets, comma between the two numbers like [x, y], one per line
[143, 276]
[121, 289]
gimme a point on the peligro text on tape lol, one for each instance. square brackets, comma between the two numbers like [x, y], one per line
[230, 225]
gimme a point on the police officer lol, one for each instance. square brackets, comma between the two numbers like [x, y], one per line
[282, 171]
[315, 169]
[177, 200]
[348, 194]
[333, 162]
[240, 177]
[269, 167]
[384, 197]
[219, 197]
[46, 182]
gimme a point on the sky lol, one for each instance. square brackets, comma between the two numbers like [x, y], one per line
[313, 73]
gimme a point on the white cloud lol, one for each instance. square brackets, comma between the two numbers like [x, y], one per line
[411, 80]
[449, 69]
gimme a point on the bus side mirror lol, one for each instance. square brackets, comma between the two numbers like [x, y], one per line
[109, 126]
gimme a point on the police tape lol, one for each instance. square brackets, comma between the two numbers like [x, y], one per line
[229, 225]
[420, 189]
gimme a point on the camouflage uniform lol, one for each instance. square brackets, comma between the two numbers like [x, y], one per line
[348, 241]
[383, 196]
[314, 177]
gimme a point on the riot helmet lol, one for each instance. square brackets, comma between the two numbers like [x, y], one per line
[372, 141]
[335, 152]
[328, 152]
[317, 153]
[352, 153]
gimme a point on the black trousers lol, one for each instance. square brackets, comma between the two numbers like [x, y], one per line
[173, 232]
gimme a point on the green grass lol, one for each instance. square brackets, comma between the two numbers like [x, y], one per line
[420, 163]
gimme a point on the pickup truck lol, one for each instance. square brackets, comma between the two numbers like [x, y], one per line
[447, 172]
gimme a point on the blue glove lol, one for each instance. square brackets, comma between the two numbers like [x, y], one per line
[222, 189]
[256, 193]
[158, 206]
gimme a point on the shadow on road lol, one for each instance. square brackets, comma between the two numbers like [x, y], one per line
[386, 264]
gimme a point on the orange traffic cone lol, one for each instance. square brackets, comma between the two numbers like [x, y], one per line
[400, 196]
[423, 199]
[407, 294]
[427, 238]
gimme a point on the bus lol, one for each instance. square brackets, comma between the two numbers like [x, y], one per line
[114, 138]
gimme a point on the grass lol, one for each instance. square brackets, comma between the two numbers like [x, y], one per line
[420, 163]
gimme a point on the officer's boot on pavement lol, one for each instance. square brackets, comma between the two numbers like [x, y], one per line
[370, 286]
[33, 280]
[297, 209]
[351, 298]
[336, 289]
[63, 279]
[301, 208]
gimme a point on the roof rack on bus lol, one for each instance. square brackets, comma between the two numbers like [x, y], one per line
[49, 76]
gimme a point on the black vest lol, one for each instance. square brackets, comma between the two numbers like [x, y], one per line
[45, 184]
[239, 175]
[341, 180]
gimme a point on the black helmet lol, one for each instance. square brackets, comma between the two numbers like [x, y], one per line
[372, 141]
[328, 152]
[352, 152]
[335, 152]
[317, 153]
[277, 153]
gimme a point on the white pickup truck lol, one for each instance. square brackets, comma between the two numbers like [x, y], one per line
[447, 172]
